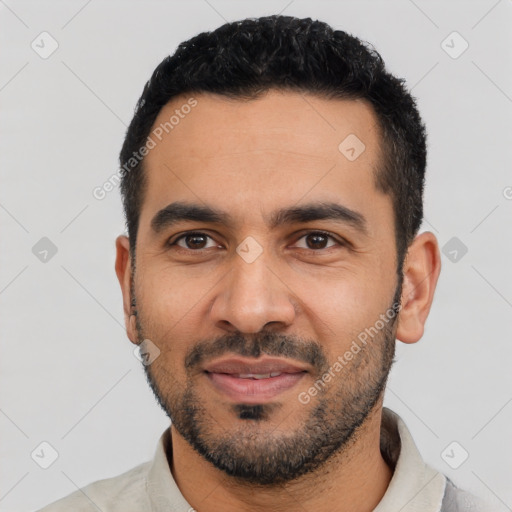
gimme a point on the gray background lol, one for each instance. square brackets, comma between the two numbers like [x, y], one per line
[67, 370]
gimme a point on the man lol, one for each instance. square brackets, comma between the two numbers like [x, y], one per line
[272, 179]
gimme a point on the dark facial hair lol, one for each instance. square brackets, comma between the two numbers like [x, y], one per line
[259, 456]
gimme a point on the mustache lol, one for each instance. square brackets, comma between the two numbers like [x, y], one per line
[269, 343]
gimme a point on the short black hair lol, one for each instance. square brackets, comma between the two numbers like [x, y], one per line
[244, 59]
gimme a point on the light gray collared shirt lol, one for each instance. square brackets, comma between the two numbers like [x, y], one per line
[150, 487]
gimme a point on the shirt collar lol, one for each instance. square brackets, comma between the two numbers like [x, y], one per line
[414, 487]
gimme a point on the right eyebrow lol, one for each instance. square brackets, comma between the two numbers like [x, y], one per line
[179, 212]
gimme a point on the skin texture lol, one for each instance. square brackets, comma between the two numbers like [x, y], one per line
[249, 158]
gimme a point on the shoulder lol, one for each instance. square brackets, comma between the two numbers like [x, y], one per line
[121, 493]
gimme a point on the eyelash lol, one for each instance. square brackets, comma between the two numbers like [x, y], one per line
[316, 232]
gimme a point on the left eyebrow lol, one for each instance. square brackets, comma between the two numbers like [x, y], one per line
[180, 211]
[319, 211]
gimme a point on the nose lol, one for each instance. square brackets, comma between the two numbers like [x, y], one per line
[251, 296]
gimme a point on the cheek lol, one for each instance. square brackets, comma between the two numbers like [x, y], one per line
[166, 303]
[342, 309]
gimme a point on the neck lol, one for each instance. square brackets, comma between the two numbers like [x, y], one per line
[354, 479]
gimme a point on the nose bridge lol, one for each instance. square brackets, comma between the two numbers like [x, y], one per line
[251, 281]
[252, 295]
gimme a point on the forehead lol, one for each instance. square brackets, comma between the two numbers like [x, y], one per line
[278, 120]
[278, 148]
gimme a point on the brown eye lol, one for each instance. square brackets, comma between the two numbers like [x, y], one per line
[317, 240]
[192, 241]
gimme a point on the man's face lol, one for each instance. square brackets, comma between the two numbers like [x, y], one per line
[259, 293]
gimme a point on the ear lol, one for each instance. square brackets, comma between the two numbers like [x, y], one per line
[124, 271]
[421, 270]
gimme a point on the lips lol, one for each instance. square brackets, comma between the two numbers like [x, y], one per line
[241, 366]
[256, 375]
[253, 381]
